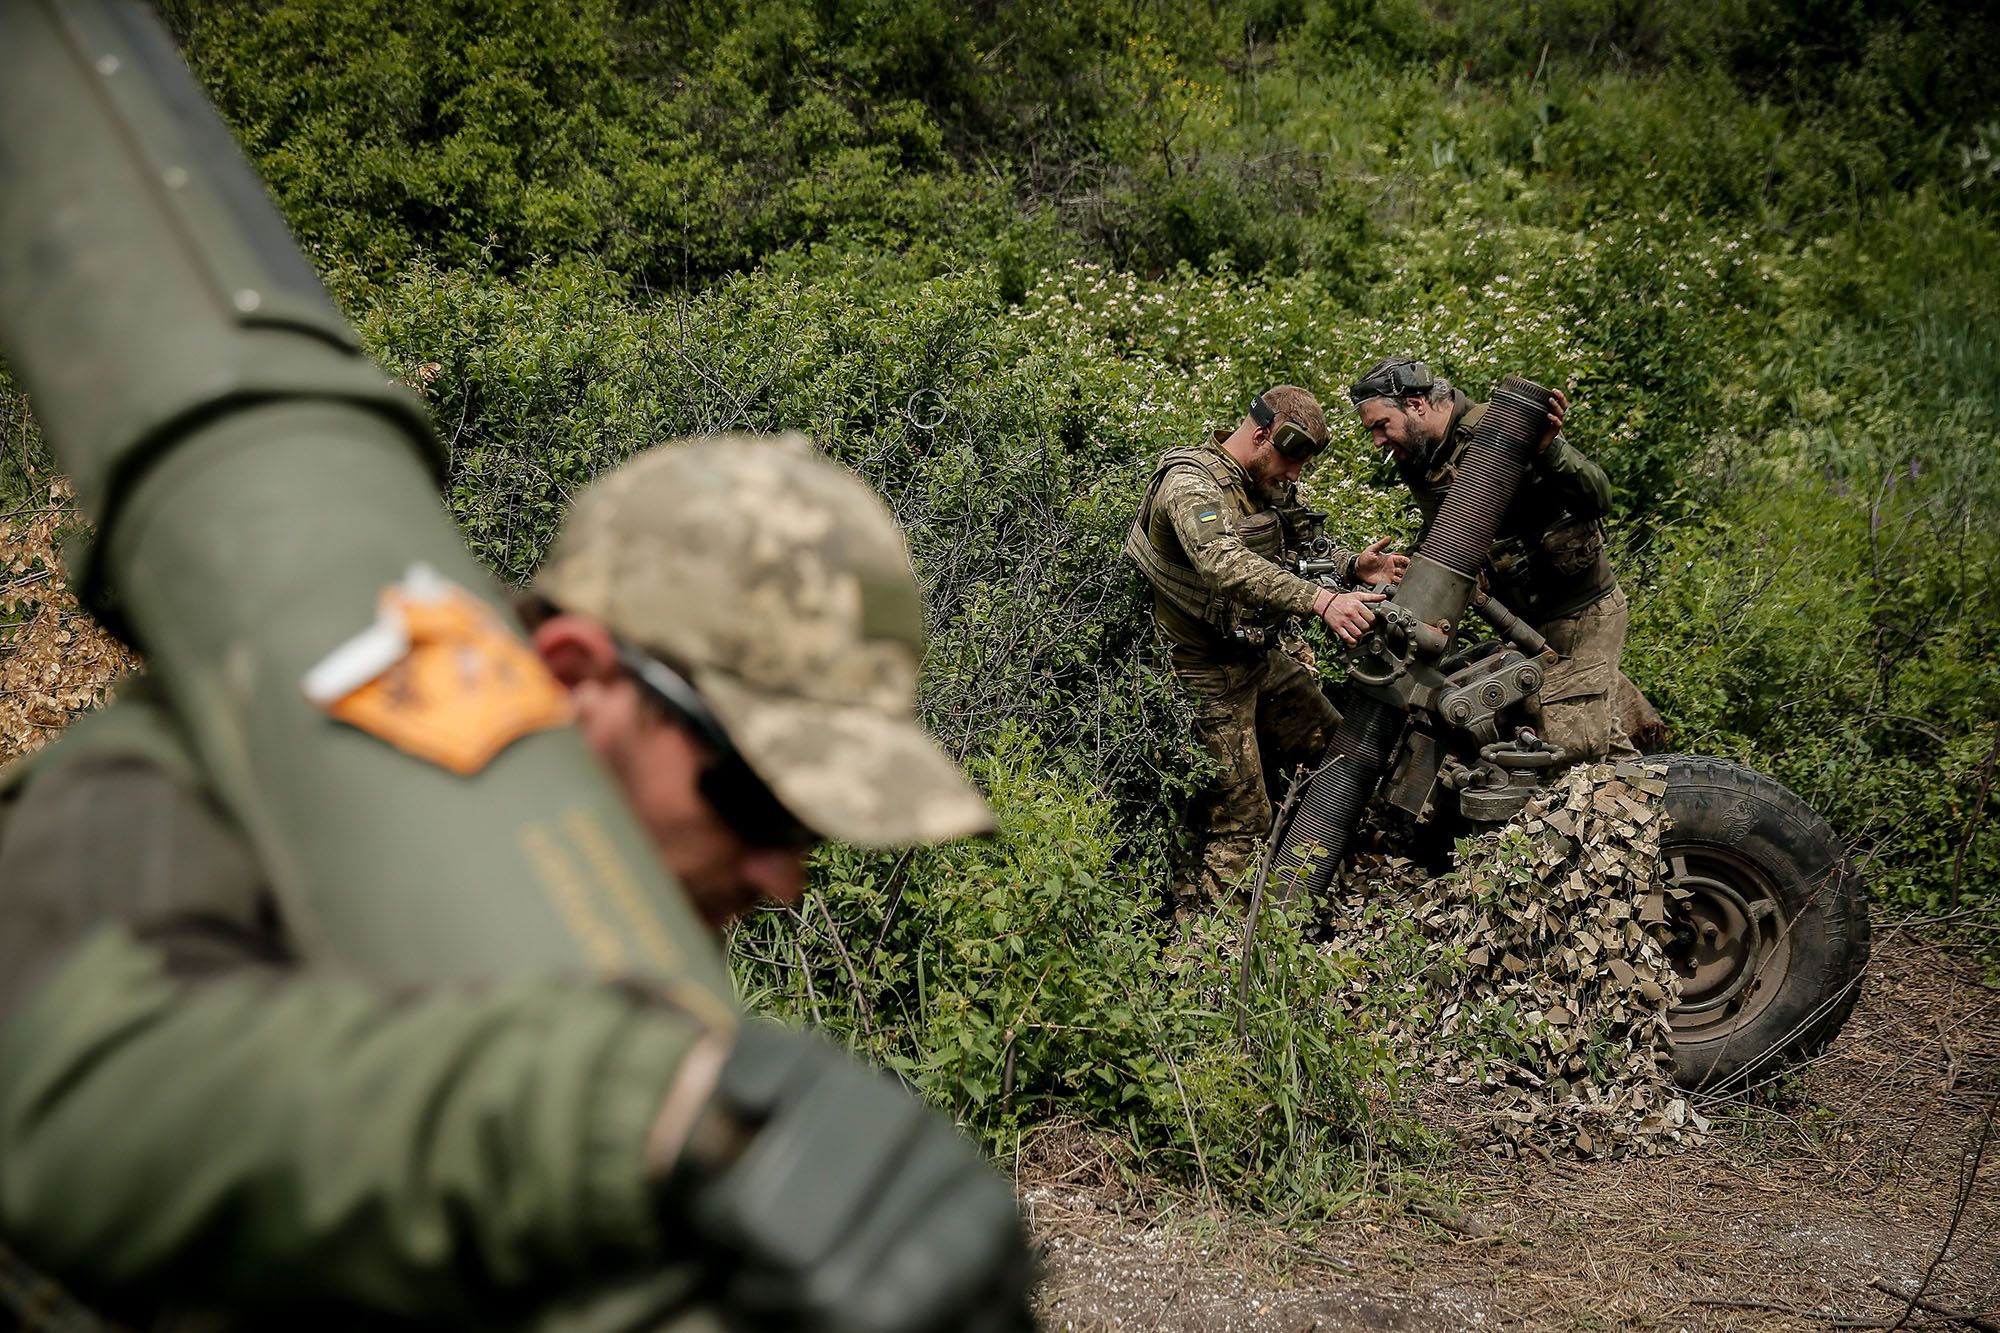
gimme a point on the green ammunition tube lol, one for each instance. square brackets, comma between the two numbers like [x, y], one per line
[255, 484]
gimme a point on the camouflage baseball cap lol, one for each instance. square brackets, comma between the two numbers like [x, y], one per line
[781, 585]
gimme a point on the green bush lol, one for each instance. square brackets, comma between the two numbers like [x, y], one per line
[1731, 382]
[1022, 980]
[1012, 465]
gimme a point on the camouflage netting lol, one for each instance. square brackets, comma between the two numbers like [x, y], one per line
[55, 660]
[1534, 974]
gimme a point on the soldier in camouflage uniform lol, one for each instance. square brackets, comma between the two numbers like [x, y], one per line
[1211, 538]
[201, 1120]
[1548, 564]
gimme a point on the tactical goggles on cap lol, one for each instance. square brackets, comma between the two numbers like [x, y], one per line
[1288, 437]
[728, 783]
[1392, 379]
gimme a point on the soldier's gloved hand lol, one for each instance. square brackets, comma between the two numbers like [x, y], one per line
[822, 1195]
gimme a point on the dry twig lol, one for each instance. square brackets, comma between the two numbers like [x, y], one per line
[1983, 1322]
[861, 1006]
[898, 874]
[1972, 825]
[1968, 1176]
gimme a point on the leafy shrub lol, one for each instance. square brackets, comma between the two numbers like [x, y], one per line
[1022, 979]
[1003, 460]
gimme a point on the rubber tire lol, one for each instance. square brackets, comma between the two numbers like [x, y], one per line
[1723, 814]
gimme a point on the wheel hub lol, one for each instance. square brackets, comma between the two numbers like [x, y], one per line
[1728, 944]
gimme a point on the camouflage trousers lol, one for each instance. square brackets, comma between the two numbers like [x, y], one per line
[1575, 710]
[1255, 718]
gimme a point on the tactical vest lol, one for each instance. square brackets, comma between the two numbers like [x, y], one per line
[1172, 575]
[1445, 471]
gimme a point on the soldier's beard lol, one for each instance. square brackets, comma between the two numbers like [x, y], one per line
[1407, 440]
[1268, 486]
[1403, 446]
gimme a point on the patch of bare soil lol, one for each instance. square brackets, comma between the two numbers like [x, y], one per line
[1868, 1178]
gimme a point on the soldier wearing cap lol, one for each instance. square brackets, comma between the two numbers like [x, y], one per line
[761, 601]
[201, 1118]
[1211, 538]
[1548, 565]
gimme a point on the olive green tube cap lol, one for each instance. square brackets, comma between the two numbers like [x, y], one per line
[780, 584]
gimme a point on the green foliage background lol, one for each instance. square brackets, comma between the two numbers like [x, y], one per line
[997, 255]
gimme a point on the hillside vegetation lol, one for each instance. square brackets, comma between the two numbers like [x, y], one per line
[997, 255]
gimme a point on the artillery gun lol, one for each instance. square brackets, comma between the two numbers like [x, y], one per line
[1770, 922]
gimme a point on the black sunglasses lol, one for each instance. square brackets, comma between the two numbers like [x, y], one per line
[727, 783]
[1289, 438]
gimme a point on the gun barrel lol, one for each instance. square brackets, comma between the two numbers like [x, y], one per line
[1508, 625]
[1435, 591]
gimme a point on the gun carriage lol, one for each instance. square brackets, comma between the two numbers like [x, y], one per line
[1769, 920]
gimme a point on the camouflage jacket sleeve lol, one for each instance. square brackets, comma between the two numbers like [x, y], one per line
[188, 1115]
[1580, 484]
[274, 1141]
[1194, 504]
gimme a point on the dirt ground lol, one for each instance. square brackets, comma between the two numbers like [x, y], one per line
[1826, 1206]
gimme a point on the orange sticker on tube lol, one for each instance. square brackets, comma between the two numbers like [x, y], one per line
[438, 676]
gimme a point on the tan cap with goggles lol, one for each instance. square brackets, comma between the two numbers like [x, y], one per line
[1392, 377]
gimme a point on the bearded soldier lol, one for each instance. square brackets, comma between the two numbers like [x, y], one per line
[1211, 538]
[1548, 564]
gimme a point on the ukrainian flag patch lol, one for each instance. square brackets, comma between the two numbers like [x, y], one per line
[1207, 516]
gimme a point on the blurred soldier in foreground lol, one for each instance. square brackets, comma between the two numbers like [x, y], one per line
[200, 1116]
[1212, 538]
[1548, 564]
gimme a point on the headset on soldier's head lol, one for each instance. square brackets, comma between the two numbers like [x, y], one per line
[1397, 377]
[1288, 437]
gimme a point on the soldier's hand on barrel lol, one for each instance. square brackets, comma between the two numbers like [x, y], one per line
[1379, 565]
[1558, 408]
[1348, 615]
